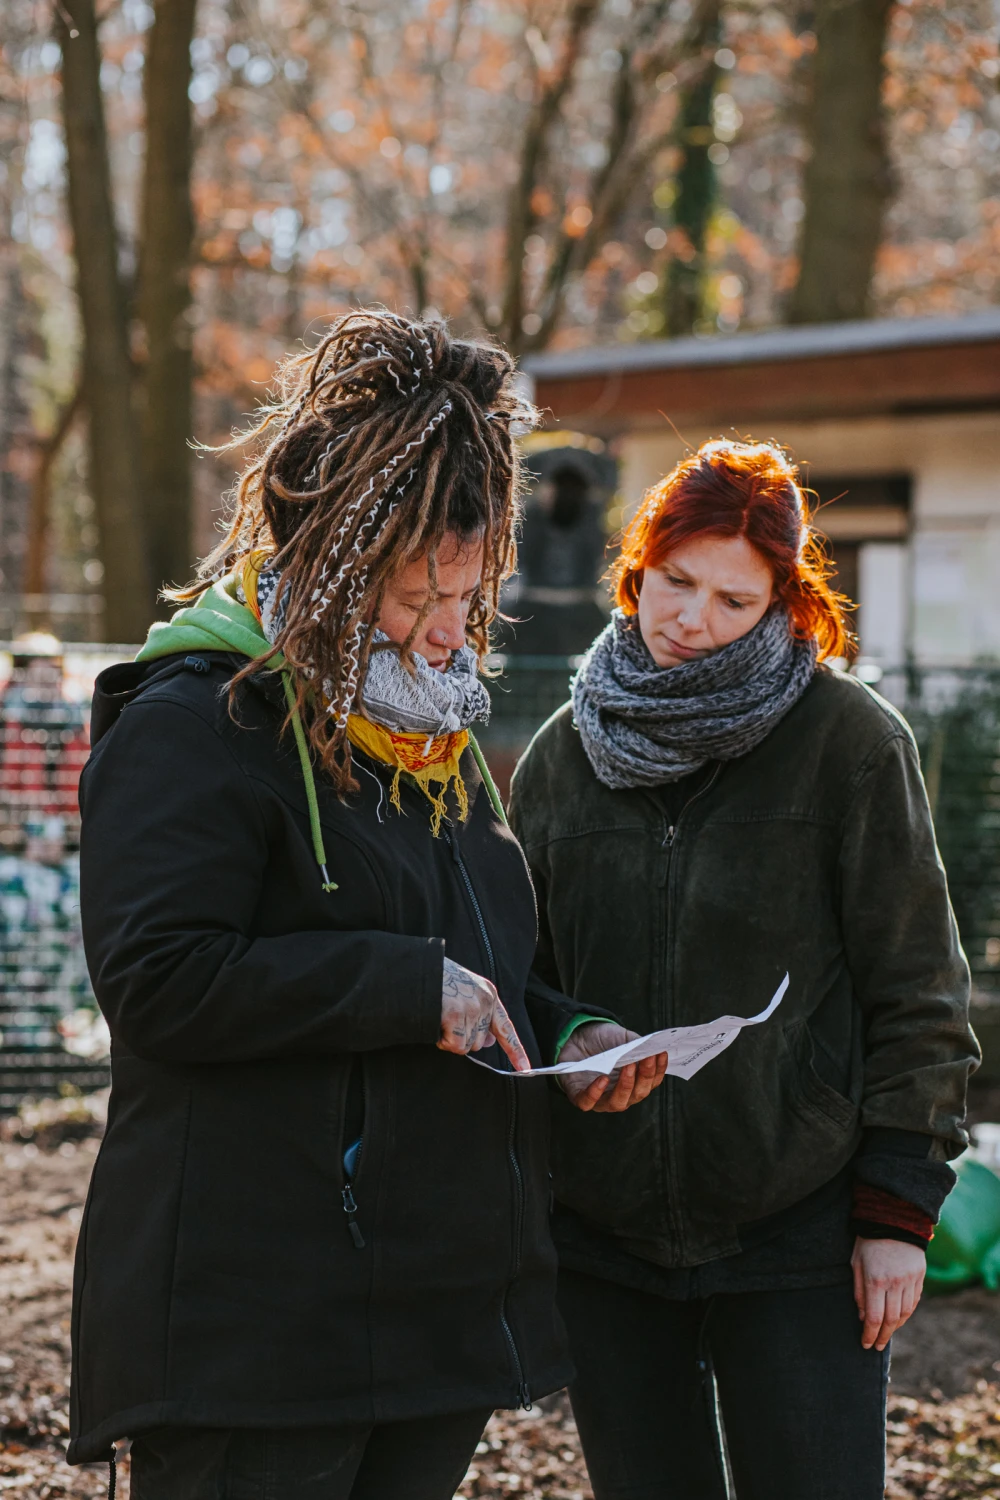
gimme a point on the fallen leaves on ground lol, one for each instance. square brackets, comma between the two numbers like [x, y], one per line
[946, 1449]
[530, 1453]
[941, 1446]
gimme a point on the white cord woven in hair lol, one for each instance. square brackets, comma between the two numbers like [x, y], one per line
[382, 352]
[355, 593]
[315, 471]
[390, 363]
[427, 353]
[428, 357]
[324, 593]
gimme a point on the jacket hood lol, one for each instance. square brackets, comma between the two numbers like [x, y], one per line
[215, 622]
[219, 622]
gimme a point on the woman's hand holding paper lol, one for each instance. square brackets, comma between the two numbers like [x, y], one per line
[606, 1095]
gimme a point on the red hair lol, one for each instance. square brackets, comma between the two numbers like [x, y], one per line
[740, 489]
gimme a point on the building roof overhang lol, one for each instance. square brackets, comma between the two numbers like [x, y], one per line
[869, 368]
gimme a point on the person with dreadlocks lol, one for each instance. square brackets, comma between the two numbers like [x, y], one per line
[315, 1254]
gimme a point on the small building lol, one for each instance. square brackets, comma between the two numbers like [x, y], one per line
[896, 424]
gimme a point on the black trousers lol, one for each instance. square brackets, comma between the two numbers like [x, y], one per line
[803, 1405]
[425, 1459]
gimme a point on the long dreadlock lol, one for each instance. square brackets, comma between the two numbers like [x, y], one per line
[375, 445]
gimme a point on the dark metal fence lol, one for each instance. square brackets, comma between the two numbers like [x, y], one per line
[957, 725]
[51, 1037]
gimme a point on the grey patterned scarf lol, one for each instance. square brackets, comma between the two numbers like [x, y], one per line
[642, 725]
[424, 701]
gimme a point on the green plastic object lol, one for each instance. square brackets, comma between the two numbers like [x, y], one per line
[966, 1244]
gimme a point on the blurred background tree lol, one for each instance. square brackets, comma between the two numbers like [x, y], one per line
[550, 172]
[846, 179]
[106, 378]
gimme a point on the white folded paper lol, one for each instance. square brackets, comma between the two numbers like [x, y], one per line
[688, 1048]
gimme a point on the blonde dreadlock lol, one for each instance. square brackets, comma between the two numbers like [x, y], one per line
[376, 444]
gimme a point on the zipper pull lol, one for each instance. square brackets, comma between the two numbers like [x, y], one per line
[456, 853]
[524, 1396]
[350, 1209]
[669, 839]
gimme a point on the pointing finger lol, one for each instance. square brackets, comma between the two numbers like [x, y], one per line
[503, 1029]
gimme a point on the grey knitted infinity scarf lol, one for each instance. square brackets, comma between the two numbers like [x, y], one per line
[642, 725]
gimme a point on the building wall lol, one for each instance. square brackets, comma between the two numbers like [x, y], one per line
[938, 593]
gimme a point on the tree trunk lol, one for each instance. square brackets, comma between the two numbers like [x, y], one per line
[164, 299]
[107, 375]
[39, 510]
[847, 178]
[692, 206]
[684, 285]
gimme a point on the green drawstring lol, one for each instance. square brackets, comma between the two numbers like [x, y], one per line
[319, 848]
[484, 772]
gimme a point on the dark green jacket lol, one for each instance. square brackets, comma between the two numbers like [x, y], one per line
[813, 854]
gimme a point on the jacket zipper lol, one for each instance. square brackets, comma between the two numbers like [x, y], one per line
[669, 1094]
[350, 1209]
[523, 1393]
[474, 902]
[671, 833]
[347, 1191]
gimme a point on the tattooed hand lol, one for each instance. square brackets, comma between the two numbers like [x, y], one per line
[603, 1095]
[472, 1016]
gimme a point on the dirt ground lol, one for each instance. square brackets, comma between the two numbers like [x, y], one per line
[944, 1406]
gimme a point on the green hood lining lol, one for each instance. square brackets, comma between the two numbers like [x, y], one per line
[217, 621]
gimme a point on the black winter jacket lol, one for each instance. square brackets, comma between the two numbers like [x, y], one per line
[221, 1277]
[813, 854]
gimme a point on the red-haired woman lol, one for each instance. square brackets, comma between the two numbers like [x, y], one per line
[715, 808]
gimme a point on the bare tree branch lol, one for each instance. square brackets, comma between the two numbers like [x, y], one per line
[627, 159]
[521, 216]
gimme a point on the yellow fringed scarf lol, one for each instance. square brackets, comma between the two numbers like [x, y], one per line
[426, 760]
[435, 759]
